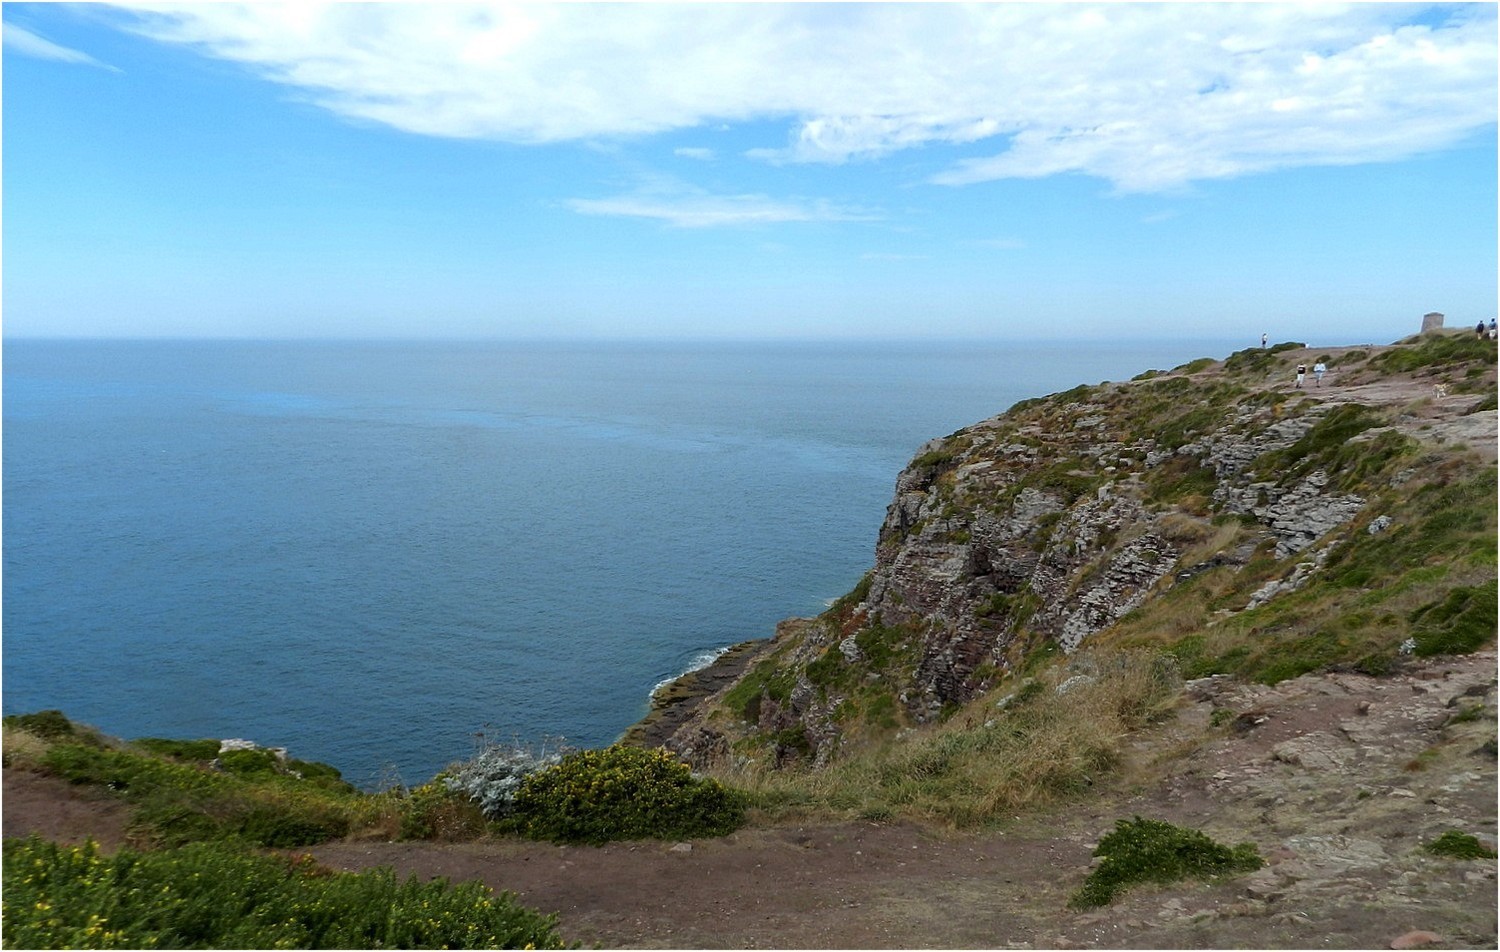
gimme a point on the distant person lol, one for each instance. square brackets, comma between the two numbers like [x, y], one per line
[1492, 328]
[1479, 330]
[1262, 342]
[1318, 371]
[1301, 373]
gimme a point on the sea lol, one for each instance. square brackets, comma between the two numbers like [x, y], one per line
[382, 554]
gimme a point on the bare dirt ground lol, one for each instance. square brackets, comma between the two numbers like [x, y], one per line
[1339, 780]
[1338, 801]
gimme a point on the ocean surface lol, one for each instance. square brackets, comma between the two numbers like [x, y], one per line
[370, 553]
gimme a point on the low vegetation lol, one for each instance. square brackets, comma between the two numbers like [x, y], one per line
[1033, 746]
[198, 874]
[1154, 851]
[210, 895]
[1455, 844]
[187, 791]
[623, 793]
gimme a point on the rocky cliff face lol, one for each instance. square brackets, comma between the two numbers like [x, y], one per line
[1217, 486]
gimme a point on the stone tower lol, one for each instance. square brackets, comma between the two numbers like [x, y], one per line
[1432, 322]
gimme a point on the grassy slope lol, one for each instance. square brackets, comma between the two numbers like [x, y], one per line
[1425, 585]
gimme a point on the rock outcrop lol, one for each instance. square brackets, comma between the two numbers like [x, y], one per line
[1038, 529]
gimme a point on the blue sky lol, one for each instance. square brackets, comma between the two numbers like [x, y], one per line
[1317, 172]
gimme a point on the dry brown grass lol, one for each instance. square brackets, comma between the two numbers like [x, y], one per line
[21, 748]
[1044, 746]
[1184, 528]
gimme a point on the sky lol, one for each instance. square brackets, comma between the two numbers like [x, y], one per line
[840, 171]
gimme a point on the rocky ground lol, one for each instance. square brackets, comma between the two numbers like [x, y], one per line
[1338, 779]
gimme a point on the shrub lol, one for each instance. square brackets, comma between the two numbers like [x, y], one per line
[202, 750]
[248, 763]
[622, 793]
[1458, 845]
[492, 777]
[48, 725]
[435, 812]
[934, 458]
[210, 896]
[1140, 851]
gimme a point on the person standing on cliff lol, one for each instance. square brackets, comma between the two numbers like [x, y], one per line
[1262, 342]
[1479, 330]
[1318, 371]
[1301, 373]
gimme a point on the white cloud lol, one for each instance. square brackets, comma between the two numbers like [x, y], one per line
[26, 43]
[701, 154]
[1147, 96]
[687, 207]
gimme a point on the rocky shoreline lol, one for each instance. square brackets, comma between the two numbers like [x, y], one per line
[673, 703]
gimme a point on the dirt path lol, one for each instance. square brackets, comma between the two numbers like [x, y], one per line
[1338, 780]
[1338, 801]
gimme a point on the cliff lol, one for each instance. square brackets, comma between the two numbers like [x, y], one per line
[1216, 514]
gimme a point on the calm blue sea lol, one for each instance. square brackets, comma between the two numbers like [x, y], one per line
[367, 552]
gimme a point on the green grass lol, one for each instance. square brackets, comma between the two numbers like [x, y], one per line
[211, 896]
[1463, 621]
[177, 801]
[1435, 351]
[1456, 845]
[1320, 446]
[1194, 366]
[769, 678]
[1257, 360]
[1153, 851]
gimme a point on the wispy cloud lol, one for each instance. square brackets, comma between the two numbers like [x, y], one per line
[23, 42]
[1147, 96]
[687, 207]
[702, 155]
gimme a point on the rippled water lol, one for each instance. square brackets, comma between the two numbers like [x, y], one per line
[368, 552]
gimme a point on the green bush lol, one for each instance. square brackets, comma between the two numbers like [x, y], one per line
[49, 725]
[435, 811]
[1456, 845]
[210, 896]
[248, 763]
[623, 793]
[198, 750]
[1139, 851]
